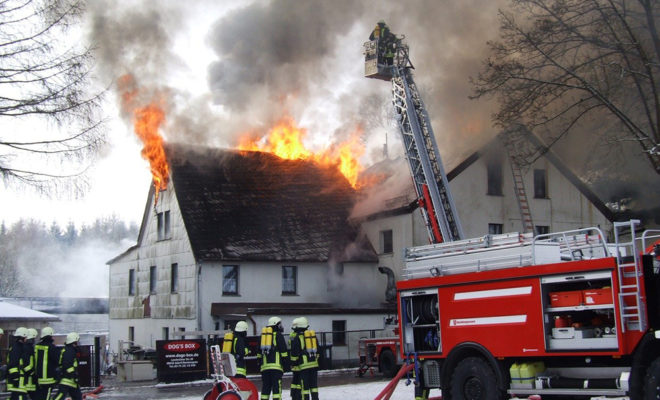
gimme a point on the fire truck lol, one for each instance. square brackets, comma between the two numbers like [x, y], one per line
[563, 314]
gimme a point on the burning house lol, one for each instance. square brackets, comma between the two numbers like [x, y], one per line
[485, 195]
[244, 235]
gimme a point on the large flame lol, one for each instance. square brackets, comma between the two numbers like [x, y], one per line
[285, 140]
[147, 120]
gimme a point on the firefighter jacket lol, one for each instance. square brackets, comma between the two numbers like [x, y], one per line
[305, 358]
[240, 351]
[15, 374]
[294, 358]
[68, 365]
[46, 358]
[277, 357]
[30, 381]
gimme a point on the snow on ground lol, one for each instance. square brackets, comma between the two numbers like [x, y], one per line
[360, 391]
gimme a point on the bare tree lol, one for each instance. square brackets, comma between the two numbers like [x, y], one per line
[568, 65]
[46, 110]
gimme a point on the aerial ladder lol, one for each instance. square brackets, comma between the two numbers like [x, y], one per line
[388, 59]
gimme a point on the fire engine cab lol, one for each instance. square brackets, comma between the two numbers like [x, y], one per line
[563, 313]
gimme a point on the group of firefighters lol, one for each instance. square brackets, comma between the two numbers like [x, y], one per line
[275, 357]
[34, 371]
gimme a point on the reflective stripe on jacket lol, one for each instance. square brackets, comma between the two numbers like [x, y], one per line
[277, 356]
[69, 365]
[46, 357]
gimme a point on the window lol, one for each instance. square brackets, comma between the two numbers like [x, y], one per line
[540, 184]
[495, 229]
[339, 333]
[182, 330]
[166, 333]
[541, 229]
[163, 222]
[230, 279]
[289, 279]
[494, 176]
[152, 279]
[174, 278]
[386, 241]
[131, 282]
[131, 334]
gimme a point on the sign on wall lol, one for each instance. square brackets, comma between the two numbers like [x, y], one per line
[181, 360]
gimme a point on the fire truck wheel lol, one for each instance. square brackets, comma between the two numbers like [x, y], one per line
[387, 363]
[652, 381]
[473, 379]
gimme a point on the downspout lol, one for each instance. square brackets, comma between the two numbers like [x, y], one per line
[254, 323]
[199, 297]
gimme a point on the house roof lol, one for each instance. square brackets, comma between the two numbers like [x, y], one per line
[241, 205]
[12, 312]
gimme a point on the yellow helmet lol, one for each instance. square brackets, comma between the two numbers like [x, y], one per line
[47, 331]
[31, 334]
[241, 326]
[72, 337]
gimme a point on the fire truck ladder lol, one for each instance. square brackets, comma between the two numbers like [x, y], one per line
[423, 157]
[633, 314]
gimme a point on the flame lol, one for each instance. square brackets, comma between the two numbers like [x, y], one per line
[285, 140]
[147, 120]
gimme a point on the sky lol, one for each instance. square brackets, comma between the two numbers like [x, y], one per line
[236, 67]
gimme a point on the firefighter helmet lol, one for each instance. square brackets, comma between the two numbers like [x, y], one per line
[272, 321]
[47, 331]
[2, 332]
[32, 333]
[300, 322]
[241, 326]
[72, 337]
[21, 332]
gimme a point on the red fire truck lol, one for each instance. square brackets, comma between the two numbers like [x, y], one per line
[382, 353]
[564, 314]
[559, 314]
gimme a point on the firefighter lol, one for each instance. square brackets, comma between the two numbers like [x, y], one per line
[386, 40]
[15, 374]
[274, 359]
[296, 388]
[304, 349]
[28, 362]
[239, 349]
[46, 357]
[68, 365]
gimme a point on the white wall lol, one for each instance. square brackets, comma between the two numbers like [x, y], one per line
[177, 309]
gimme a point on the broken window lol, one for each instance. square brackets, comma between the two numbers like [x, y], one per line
[230, 279]
[386, 241]
[131, 282]
[289, 279]
[494, 176]
[540, 184]
[152, 279]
